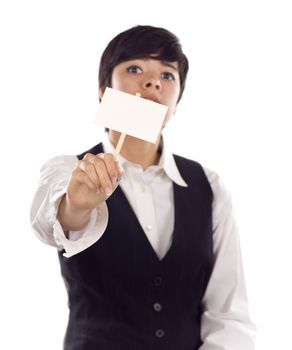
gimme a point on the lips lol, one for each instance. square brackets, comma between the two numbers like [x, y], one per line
[152, 98]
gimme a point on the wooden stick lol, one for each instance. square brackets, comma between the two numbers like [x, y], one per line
[119, 145]
[122, 138]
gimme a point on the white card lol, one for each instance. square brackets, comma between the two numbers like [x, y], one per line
[131, 115]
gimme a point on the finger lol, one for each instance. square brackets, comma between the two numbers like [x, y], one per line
[81, 177]
[120, 170]
[100, 171]
[103, 175]
[109, 161]
[89, 169]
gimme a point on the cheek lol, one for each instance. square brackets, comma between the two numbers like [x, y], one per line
[173, 94]
[173, 102]
[117, 80]
[121, 84]
[116, 83]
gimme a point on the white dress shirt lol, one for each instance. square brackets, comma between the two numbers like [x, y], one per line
[225, 320]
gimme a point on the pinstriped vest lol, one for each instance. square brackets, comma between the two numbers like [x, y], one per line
[122, 297]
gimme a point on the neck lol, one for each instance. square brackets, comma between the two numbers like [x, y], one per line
[138, 151]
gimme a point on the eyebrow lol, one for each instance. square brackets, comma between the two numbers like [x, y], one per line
[165, 63]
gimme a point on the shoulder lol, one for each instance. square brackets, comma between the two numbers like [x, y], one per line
[195, 177]
[64, 164]
[61, 165]
[191, 170]
[222, 207]
[194, 172]
[213, 178]
[60, 161]
[222, 200]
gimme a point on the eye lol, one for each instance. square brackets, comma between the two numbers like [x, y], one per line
[167, 76]
[134, 69]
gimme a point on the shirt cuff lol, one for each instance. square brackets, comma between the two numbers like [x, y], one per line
[82, 239]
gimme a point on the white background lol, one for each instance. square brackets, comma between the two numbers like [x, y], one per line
[234, 118]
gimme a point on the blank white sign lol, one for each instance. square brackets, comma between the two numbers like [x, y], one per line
[131, 115]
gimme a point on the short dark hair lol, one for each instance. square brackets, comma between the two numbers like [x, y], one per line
[143, 42]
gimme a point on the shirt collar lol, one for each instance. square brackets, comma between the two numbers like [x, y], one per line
[166, 162]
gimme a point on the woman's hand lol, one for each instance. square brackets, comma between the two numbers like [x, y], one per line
[93, 180]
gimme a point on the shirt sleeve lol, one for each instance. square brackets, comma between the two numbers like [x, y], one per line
[54, 177]
[225, 322]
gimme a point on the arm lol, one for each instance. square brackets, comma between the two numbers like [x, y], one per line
[225, 322]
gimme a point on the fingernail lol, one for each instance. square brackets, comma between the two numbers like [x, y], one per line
[119, 167]
[114, 180]
[108, 191]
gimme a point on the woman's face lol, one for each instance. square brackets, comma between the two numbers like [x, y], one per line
[155, 80]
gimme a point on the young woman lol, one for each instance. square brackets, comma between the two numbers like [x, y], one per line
[149, 254]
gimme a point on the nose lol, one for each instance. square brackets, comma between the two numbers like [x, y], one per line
[152, 83]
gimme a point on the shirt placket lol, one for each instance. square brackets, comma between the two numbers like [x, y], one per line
[145, 205]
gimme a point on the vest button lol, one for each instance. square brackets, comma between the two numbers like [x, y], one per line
[157, 281]
[157, 307]
[159, 333]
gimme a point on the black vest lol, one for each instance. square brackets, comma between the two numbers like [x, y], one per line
[122, 297]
